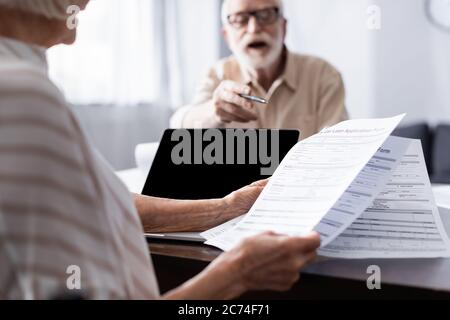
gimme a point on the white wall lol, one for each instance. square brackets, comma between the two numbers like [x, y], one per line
[404, 67]
[336, 31]
[412, 64]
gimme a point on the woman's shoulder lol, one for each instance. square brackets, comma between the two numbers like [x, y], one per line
[27, 89]
[25, 80]
[33, 110]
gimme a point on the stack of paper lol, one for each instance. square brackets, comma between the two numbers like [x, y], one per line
[368, 195]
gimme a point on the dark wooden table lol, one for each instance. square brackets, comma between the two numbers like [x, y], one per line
[176, 262]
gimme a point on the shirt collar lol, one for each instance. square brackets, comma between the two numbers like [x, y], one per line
[12, 49]
[289, 75]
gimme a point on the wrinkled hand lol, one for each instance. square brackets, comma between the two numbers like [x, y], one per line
[270, 261]
[240, 201]
[229, 106]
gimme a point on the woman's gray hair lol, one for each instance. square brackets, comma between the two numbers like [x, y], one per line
[225, 10]
[52, 9]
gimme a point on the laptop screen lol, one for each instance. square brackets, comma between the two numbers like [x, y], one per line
[211, 163]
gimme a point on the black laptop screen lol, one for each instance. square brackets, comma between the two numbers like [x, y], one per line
[209, 164]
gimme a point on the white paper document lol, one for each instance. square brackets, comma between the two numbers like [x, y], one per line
[442, 196]
[219, 230]
[403, 221]
[325, 183]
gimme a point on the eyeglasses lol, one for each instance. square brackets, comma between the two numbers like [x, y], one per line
[263, 17]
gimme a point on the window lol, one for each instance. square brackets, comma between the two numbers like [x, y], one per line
[138, 51]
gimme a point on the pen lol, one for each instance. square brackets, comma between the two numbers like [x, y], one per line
[253, 98]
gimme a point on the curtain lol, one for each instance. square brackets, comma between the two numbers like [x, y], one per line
[138, 52]
[189, 33]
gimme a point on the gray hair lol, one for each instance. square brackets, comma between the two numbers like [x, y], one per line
[224, 12]
[52, 9]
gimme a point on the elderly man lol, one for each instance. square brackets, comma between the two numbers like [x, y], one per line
[304, 92]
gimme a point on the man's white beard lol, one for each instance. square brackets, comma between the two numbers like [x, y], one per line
[261, 62]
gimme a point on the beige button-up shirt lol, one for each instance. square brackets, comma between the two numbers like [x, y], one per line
[308, 96]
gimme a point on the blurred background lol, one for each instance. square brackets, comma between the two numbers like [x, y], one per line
[136, 61]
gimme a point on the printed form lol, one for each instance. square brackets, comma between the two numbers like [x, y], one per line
[402, 222]
[219, 230]
[311, 179]
[325, 183]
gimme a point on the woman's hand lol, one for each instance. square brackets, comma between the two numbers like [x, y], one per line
[264, 262]
[240, 201]
[165, 215]
[270, 261]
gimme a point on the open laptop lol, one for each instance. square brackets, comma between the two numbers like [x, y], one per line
[195, 179]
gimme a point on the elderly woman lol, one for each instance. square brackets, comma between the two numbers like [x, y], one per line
[63, 209]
